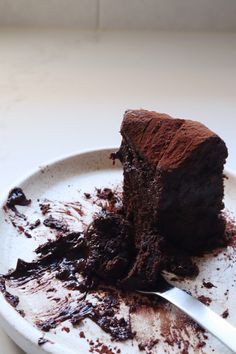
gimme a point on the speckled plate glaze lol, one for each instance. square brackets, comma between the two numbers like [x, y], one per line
[66, 180]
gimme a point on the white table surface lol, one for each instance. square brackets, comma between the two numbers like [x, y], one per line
[66, 90]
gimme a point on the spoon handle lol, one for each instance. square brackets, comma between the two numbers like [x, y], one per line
[203, 315]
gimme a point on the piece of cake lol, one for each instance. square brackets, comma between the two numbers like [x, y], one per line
[173, 187]
[172, 202]
[109, 247]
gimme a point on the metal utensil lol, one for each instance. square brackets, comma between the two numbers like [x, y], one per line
[202, 314]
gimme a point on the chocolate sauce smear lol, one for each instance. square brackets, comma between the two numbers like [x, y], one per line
[64, 258]
[12, 299]
[74, 262]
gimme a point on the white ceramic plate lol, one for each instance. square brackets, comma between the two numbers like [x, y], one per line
[67, 180]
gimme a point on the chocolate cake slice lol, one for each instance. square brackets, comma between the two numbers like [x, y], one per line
[173, 188]
[172, 202]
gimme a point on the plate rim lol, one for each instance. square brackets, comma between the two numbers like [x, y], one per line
[22, 332]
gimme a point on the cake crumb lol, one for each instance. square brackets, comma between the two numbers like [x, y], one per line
[205, 299]
[225, 314]
[66, 329]
[81, 334]
[208, 285]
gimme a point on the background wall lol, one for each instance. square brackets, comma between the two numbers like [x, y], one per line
[213, 15]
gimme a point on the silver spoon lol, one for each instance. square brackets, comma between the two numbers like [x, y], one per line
[202, 314]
